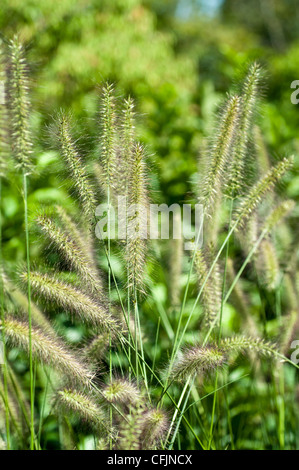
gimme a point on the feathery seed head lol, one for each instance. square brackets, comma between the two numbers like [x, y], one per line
[4, 138]
[249, 102]
[267, 265]
[211, 293]
[70, 251]
[156, 425]
[83, 406]
[195, 361]
[96, 349]
[137, 219]
[243, 343]
[75, 165]
[19, 106]
[249, 203]
[125, 149]
[20, 300]
[82, 237]
[278, 213]
[71, 299]
[240, 301]
[130, 430]
[108, 135]
[128, 126]
[220, 151]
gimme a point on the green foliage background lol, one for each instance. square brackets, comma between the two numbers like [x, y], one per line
[176, 68]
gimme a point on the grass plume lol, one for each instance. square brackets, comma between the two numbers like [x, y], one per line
[220, 150]
[47, 350]
[19, 105]
[72, 299]
[77, 169]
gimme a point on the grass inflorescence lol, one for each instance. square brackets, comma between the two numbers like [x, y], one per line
[138, 357]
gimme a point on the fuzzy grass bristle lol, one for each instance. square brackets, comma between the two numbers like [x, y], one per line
[82, 406]
[19, 105]
[137, 219]
[108, 140]
[121, 391]
[219, 151]
[267, 265]
[156, 424]
[265, 184]
[96, 349]
[211, 295]
[195, 361]
[243, 344]
[248, 110]
[4, 134]
[47, 350]
[72, 299]
[72, 253]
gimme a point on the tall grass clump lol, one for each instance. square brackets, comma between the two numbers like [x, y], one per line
[4, 158]
[137, 342]
[19, 106]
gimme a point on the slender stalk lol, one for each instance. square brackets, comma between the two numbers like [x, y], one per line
[155, 350]
[32, 436]
[281, 382]
[5, 373]
[220, 324]
[141, 346]
[109, 298]
[181, 416]
[43, 410]
[229, 421]
[175, 347]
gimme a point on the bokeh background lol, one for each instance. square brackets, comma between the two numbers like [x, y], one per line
[177, 58]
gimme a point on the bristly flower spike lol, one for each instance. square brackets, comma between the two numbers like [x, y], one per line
[73, 300]
[249, 102]
[155, 427]
[211, 294]
[220, 151]
[137, 219]
[243, 344]
[128, 139]
[121, 391]
[77, 169]
[19, 105]
[83, 406]
[108, 136]
[195, 361]
[249, 203]
[47, 350]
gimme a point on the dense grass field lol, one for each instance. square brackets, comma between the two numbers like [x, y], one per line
[149, 255]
